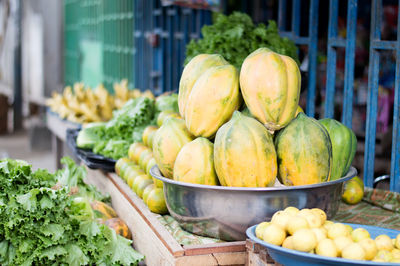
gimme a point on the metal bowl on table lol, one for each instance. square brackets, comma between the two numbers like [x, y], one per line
[226, 212]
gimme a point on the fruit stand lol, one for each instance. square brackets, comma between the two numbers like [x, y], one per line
[237, 164]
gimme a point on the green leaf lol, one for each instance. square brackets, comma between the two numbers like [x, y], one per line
[56, 231]
[53, 252]
[28, 200]
[75, 255]
[89, 228]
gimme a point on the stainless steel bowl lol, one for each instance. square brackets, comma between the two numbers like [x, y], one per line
[226, 212]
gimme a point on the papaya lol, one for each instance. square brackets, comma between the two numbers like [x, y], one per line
[132, 174]
[244, 153]
[168, 141]
[270, 85]
[119, 164]
[139, 180]
[147, 191]
[353, 191]
[195, 163]
[102, 210]
[304, 152]
[148, 131]
[119, 227]
[166, 114]
[344, 146]
[135, 150]
[156, 201]
[127, 168]
[145, 157]
[191, 73]
[218, 88]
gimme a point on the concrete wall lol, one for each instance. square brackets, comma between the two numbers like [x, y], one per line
[51, 13]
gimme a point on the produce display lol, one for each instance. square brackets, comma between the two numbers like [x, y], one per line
[235, 36]
[308, 230]
[81, 104]
[112, 138]
[270, 140]
[57, 219]
[135, 171]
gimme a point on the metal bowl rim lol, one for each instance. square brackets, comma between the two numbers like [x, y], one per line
[153, 172]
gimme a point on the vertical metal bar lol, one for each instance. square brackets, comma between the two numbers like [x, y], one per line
[331, 64]
[170, 50]
[372, 103]
[163, 76]
[395, 163]
[347, 113]
[282, 15]
[312, 57]
[296, 8]
[17, 79]
[178, 48]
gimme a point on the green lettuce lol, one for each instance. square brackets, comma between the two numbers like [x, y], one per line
[46, 219]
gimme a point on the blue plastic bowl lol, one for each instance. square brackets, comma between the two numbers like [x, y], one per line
[292, 257]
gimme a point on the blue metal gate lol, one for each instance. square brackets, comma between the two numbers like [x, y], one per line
[161, 34]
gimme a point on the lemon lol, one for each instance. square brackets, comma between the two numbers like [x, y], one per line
[336, 230]
[353, 251]
[260, 229]
[327, 247]
[320, 233]
[341, 242]
[296, 223]
[383, 255]
[327, 224]
[359, 234]
[349, 228]
[291, 210]
[320, 213]
[288, 242]
[383, 242]
[304, 240]
[314, 220]
[274, 234]
[281, 219]
[396, 253]
[397, 241]
[369, 247]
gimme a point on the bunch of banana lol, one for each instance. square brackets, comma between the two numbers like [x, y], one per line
[81, 104]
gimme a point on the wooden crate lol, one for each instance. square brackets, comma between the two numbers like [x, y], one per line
[152, 239]
[257, 255]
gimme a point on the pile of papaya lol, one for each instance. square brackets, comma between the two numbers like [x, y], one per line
[135, 171]
[246, 129]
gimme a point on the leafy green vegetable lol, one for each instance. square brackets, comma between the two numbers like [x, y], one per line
[113, 138]
[46, 219]
[235, 37]
[167, 102]
[90, 135]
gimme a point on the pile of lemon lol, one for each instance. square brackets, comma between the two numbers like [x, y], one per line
[308, 230]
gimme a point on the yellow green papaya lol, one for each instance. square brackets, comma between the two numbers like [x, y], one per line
[167, 142]
[192, 71]
[213, 99]
[304, 152]
[244, 153]
[270, 85]
[195, 163]
[344, 146]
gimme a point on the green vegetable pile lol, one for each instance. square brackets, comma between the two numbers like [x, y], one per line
[235, 37]
[46, 219]
[112, 139]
